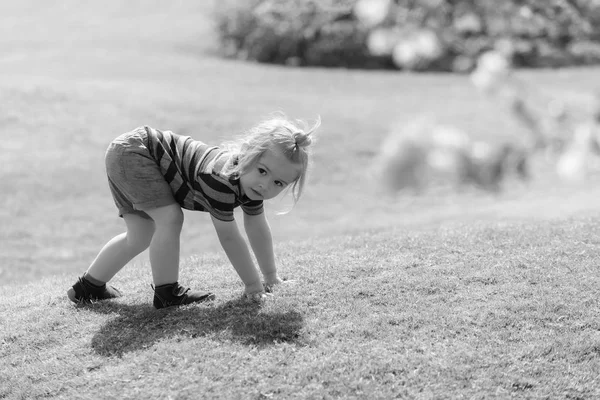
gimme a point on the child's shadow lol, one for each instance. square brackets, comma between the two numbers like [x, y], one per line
[140, 327]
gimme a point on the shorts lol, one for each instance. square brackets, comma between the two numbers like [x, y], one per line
[134, 177]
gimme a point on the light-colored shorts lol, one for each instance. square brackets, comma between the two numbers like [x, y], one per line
[134, 177]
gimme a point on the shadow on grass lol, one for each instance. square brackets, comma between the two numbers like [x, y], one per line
[139, 327]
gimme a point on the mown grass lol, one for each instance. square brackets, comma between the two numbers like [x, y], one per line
[444, 296]
[476, 310]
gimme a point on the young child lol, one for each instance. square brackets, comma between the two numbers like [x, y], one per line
[153, 174]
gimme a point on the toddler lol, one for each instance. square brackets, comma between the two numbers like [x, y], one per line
[153, 174]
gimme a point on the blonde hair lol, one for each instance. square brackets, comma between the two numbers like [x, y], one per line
[292, 137]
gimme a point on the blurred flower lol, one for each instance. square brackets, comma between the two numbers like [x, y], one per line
[449, 137]
[381, 41]
[428, 44]
[417, 50]
[526, 12]
[468, 23]
[400, 161]
[448, 157]
[571, 165]
[406, 55]
[577, 161]
[423, 153]
[481, 151]
[487, 165]
[493, 68]
[483, 80]
[372, 12]
[447, 166]
[505, 46]
[494, 63]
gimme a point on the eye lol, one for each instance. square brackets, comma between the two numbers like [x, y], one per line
[279, 184]
[262, 171]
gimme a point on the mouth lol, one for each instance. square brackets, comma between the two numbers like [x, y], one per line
[256, 193]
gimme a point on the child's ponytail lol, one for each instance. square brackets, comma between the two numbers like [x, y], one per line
[302, 139]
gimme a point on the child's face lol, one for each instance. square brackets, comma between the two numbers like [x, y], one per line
[272, 173]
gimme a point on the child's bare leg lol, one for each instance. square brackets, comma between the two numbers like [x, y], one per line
[164, 247]
[113, 256]
[122, 248]
[164, 259]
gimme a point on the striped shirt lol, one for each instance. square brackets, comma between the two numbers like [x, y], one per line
[193, 169]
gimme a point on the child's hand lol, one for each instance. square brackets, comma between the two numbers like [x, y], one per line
[275, 281]
[257, 296]
[256, 292]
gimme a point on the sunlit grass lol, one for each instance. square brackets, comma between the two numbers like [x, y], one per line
[500, 308]
[449, 295]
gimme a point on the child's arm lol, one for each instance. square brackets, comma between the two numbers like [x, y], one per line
[239, 255]
[259, 234]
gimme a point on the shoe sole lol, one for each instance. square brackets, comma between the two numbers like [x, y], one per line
[72, 295]
[209, 297]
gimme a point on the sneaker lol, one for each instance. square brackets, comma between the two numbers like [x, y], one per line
[173, 294]
[85, 291]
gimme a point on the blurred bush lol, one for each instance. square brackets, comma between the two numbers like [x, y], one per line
[295, 32]
[441, 35]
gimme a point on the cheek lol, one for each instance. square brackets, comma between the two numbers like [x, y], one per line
[276, 190]
[245, 180]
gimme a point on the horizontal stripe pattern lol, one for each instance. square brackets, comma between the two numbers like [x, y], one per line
[194, 170]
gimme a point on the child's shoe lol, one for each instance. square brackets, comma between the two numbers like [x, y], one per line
[172, 294]
[85, 291]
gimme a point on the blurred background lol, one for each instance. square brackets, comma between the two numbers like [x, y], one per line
[431, 109]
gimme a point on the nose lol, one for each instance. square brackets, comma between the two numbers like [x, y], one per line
[259, 187]
[264, 188]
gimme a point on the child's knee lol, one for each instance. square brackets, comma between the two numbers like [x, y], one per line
[171, 217]
[139, 241]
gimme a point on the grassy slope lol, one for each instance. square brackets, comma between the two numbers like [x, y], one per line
[468, 295]
[470, 310]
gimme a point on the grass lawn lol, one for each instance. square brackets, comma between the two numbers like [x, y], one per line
[470, 295]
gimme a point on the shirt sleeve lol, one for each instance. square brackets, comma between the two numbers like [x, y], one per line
[254, 207]
[222, 215]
